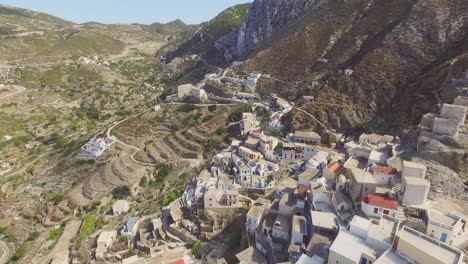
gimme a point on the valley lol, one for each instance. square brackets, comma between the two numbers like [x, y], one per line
[290, 131]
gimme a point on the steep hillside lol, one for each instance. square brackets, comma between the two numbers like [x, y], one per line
[389, 45]
[200, 39]
[395, 49]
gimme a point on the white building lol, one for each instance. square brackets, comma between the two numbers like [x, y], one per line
[350, 249]
[221, 199]
[255, 214]
[319, 160]
[359, 226]
[421, 248]
[377, 158]
[95, 147]
[375, 206]
[120, 207]
[384, 176]
[131, 227]
[444, 227]
[415, 191]
[413, 169]
[105, 240]
[252, 80]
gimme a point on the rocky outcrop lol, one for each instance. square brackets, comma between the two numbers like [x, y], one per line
[265, 18]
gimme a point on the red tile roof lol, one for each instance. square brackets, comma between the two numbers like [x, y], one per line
[384, 170]
[180, 261]
[335, 167]
[302, 191]
[381, 201]
[258, 131]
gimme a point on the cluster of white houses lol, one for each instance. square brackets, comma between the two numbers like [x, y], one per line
[337, 208]
[314, 217]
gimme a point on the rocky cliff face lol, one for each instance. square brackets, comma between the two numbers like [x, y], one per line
[265, 18]
[400, 52]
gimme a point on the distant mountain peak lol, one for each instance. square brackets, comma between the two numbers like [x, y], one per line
[176, 22]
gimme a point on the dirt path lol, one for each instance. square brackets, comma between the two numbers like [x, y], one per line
[71, 230]
[313, 117]
[18, 90]
[5, 252]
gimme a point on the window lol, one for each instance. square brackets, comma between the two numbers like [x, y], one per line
[386, 212]
[376, 210]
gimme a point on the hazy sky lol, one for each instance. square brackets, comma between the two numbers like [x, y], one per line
[128, 11]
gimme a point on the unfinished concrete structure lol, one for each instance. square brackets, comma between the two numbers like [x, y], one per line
[446, 127]
[457, 112]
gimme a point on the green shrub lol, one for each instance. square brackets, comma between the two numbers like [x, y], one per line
[212, 108]
[120, 193]
[169, 198]
[20, 252]
[196, 246]
[55, 234]
[8, 233]
[33, 236]
[220, 131]
[236, 114]
[186, 108]
[57, 198]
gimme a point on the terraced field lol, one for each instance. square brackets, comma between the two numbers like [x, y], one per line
[121, 172]
[177, 137]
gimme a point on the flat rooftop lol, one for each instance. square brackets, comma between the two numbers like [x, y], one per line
[251, 255]
[420, 244]
[385, 230]
[324, 220]
[389, 257]
[351, 247]
[417, 181]
[446, 219]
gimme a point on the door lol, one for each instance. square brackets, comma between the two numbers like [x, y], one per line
[443, 237]
[363, 261]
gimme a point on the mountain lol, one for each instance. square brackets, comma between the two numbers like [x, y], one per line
[32, 36]
[199, 39]
[170, 28]
[393, 47]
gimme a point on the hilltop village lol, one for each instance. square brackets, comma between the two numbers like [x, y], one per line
[299, 197]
